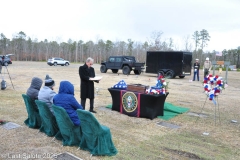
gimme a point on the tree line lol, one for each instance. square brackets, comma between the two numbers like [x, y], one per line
[27, 49]
[200, 40]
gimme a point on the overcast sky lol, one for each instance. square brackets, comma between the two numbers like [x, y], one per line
[123, 19]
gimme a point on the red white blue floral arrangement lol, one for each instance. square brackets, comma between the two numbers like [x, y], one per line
[160, 88]
[213, 86]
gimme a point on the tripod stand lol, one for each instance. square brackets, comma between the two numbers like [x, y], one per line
[216, 105]
[6, 69]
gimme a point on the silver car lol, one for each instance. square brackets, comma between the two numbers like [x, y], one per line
[57, 61]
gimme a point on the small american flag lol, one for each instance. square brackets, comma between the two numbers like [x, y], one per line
[218, 53]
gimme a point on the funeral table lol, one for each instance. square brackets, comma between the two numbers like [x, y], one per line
[137, 104]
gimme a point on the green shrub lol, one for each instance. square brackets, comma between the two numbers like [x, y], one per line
[224, 69]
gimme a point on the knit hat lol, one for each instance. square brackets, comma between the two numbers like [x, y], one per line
[207, 59]
[49, 82]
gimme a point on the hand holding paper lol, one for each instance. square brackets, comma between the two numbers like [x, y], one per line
[97, 78]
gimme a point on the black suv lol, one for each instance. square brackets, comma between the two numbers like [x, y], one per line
[125, 63]
[7, 60]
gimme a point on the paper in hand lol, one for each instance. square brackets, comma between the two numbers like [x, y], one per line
[97, 78]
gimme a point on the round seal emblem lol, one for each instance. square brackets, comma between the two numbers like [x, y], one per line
[129, 101]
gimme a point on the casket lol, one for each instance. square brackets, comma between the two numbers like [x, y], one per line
[137, 88]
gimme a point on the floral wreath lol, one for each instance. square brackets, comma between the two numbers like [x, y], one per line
[160, 88]
[213, 86]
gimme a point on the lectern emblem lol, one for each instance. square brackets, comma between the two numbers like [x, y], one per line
[129, 101]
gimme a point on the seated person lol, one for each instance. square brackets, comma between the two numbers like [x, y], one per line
[34, 88]
[46, 93]
[65, 98]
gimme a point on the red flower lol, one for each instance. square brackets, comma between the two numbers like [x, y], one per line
[206, 89]
[219, 82]
[160, 77]
[217, 91]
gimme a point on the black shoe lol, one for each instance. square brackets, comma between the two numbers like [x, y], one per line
[92, 111]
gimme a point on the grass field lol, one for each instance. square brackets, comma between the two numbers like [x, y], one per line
[135, 138]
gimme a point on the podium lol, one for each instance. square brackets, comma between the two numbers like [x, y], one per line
[150, 105]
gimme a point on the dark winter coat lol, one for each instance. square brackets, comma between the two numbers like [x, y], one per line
[34, 88]
[65, 98]
[196, 66]
[87, 86]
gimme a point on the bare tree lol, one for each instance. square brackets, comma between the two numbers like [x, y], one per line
[224, 54]
[80, 44]
[170, 44]
[155, 41]
[47, 47]
[3, 43]
[238, 57]
[20, 39]
[109, 47]
[122, 47]
[130, 47]
[145, 46]
[187, 43]
[101, 48]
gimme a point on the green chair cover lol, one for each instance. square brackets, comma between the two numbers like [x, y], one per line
[71, 134]
[49, 124]
[96, 138]
[33, 120]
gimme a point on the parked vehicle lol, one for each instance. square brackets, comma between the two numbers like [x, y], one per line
[7, 59]
[57, 61]
[169, 63]
[126, 63]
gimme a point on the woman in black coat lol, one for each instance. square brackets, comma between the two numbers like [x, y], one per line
[86, 72]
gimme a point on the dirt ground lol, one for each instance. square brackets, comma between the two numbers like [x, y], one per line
[135, 138]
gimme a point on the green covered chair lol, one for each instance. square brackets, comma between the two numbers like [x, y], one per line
[49, 124]
[33, 120]
[71, 134]
[96, 138]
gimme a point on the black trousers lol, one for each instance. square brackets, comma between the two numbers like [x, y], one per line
[206, 72]
[83, 102]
